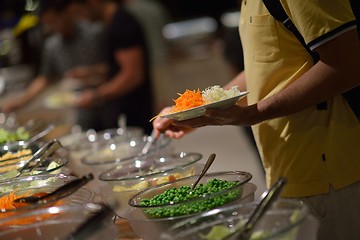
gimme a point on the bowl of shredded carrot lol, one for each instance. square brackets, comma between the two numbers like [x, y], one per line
[8, 206]
[55, 222]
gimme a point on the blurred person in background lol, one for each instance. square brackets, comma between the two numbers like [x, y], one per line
[128, 88]
[152, 16]
[71, 43]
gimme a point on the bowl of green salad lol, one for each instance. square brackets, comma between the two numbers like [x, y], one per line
[286, 219]
[155, 209]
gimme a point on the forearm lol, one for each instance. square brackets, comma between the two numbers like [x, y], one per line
[334, 74]
[129, 78]
[121, 84]
[99, 69]
[35, 88]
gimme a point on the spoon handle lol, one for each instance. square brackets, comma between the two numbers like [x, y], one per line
[68, 189]
[206, 167]
[59, 193]
[95, 223]
[150, 141]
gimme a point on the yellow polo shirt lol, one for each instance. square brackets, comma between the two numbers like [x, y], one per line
[312, 148]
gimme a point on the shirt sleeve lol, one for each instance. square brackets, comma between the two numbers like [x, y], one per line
[126, 32]
[48, 68]
[319, 21]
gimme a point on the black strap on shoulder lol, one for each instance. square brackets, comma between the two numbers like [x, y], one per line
[277, 11]
[355, 5]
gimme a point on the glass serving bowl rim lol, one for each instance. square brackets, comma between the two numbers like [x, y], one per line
[59, 160]
[36, 205]
[90, 206]
[41, 176]
[114, 132]
[204, 197]
[151, 175]
[97, 163]
[5, 147]
[303, 208]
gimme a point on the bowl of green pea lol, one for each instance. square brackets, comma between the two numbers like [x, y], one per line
[155, 209]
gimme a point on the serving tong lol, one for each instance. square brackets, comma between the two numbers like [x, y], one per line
[47, 150]
[59, 193]
[93, 224]
[267, 198]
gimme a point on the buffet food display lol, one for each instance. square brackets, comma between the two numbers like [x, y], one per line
[151, 192]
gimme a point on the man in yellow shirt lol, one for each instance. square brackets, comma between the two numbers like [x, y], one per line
[317, 150]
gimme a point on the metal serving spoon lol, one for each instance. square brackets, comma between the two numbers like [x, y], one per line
[267, 198]
[59, 193]
[204, 170]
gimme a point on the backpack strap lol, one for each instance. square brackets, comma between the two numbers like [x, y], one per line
[277, 11]
[355, 5]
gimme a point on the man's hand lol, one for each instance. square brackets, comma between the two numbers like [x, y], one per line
[12, 105]
[235, 115]
[86, 99]
[165, 125]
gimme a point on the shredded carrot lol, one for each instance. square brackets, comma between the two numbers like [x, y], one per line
[189, 99]
[7, 205]
[7, 202]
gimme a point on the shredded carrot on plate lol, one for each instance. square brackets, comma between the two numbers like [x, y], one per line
[189, 99]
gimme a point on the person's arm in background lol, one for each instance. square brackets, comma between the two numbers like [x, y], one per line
[130, 77]
[34, 89]
[88, 73]
[336, 72]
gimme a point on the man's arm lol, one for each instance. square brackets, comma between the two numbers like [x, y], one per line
[34, 89]
[130, 77]
[336, 72]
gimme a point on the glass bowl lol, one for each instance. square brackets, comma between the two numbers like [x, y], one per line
[139, 218]
[99, 151]
[52, 164]
[53, 223]
[34, 181]
[8, 209]
[121, 149]
[129, 177]
[79, 141]
[286, 219]
[14, 147]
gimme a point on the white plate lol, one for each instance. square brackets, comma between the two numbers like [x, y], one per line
[200, 111]
[62, 99]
